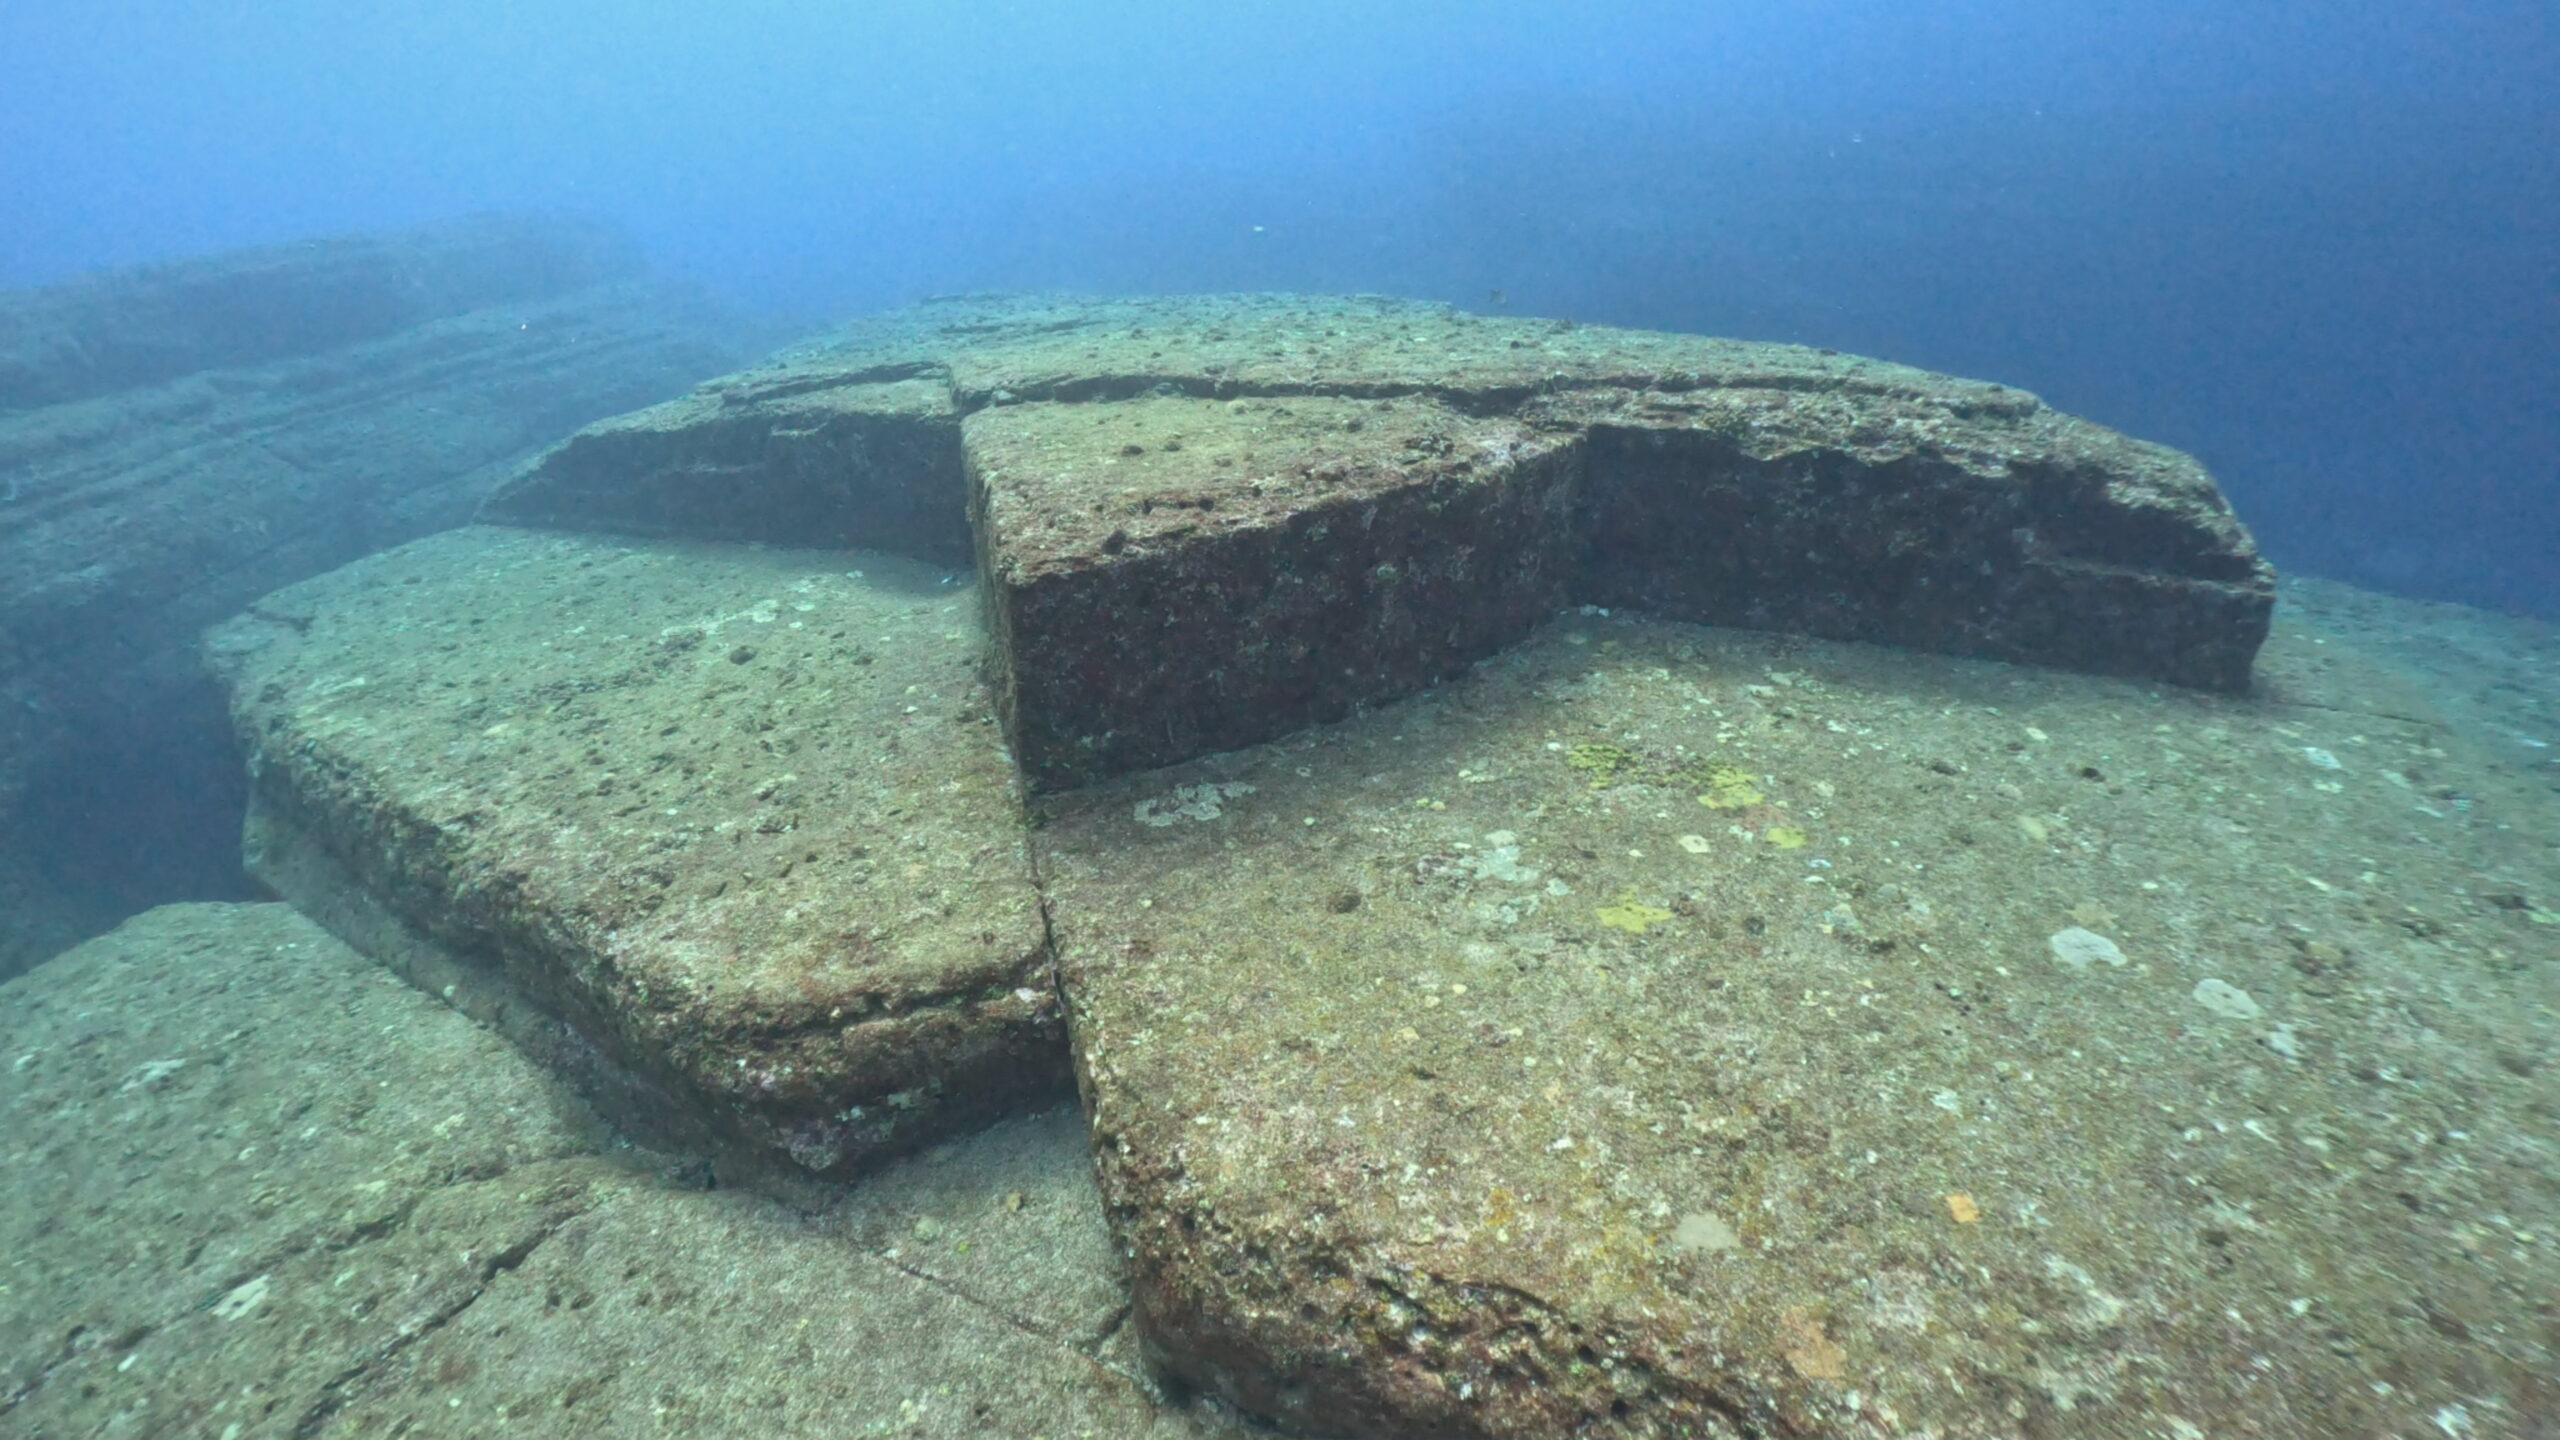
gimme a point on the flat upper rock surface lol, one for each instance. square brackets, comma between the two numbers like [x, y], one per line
[1669, 1031]
[1291, 506]
[740, 818]
[255, 1186]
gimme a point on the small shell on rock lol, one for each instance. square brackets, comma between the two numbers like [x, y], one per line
[2077, 947]
[1702, 1232]
[2226, 1000]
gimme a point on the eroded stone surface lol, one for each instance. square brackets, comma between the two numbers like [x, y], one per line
[1657, 1034]
[851, 461]
[738, 817]
[1170, 576]
[257, 1187]
[1762, 485]
[1976, 523]
[205, 1127]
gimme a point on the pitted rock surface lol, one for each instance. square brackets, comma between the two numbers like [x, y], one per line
[740, 818]
[1665, 1032]
[1516, 466]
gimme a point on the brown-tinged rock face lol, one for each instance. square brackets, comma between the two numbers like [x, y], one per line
[1665, 1032]
[1208, 521]
[738, 818]
[1170, 576]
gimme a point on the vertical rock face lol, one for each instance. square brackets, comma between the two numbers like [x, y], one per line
[1206, 522]
[1171, 576]
[862, 462]
[177, 440]
[1978, 523]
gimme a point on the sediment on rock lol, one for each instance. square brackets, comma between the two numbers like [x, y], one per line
[1207, 521]
[736, 819]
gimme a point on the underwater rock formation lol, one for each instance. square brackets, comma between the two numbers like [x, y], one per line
[1608, 1023]
[176, 440]
[255, 1185]
[738, 817]
[1289, 507]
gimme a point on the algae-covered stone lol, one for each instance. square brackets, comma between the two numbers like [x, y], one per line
[1432, 1163]
[177, 439]
[1938, 514]
[1170, 576]
[866, 458]
[252, 1185]
[219, 1128]
[738, 819]
[1209, 519]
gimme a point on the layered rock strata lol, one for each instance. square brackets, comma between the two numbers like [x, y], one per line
[126, 329]
[177, 440]
[1290, 508]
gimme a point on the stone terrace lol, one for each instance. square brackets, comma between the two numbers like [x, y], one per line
[1292, 507]
[1497, 1012]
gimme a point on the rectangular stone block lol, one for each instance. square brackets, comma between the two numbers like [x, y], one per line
[1169, 576]
[1960, 518]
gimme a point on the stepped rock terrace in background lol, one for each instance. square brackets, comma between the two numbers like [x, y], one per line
[176, 440]
[1206, 522]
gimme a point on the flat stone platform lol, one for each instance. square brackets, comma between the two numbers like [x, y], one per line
[738, 819]
[1292, 507]
[1673, 1031]
[255, 1186]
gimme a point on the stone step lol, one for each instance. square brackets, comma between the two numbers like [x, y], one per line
[1290, 507]
[734, 822]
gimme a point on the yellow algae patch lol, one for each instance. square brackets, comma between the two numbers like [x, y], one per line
[1785, 837]
[1604, 764]
[1630, 914]
[1961, 1206]
[1729, 787]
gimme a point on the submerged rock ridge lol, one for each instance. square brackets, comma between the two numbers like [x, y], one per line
[1520, 977]
[1206, 522]
[178, 439]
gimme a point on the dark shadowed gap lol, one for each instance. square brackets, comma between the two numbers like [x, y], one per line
[144, 810]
